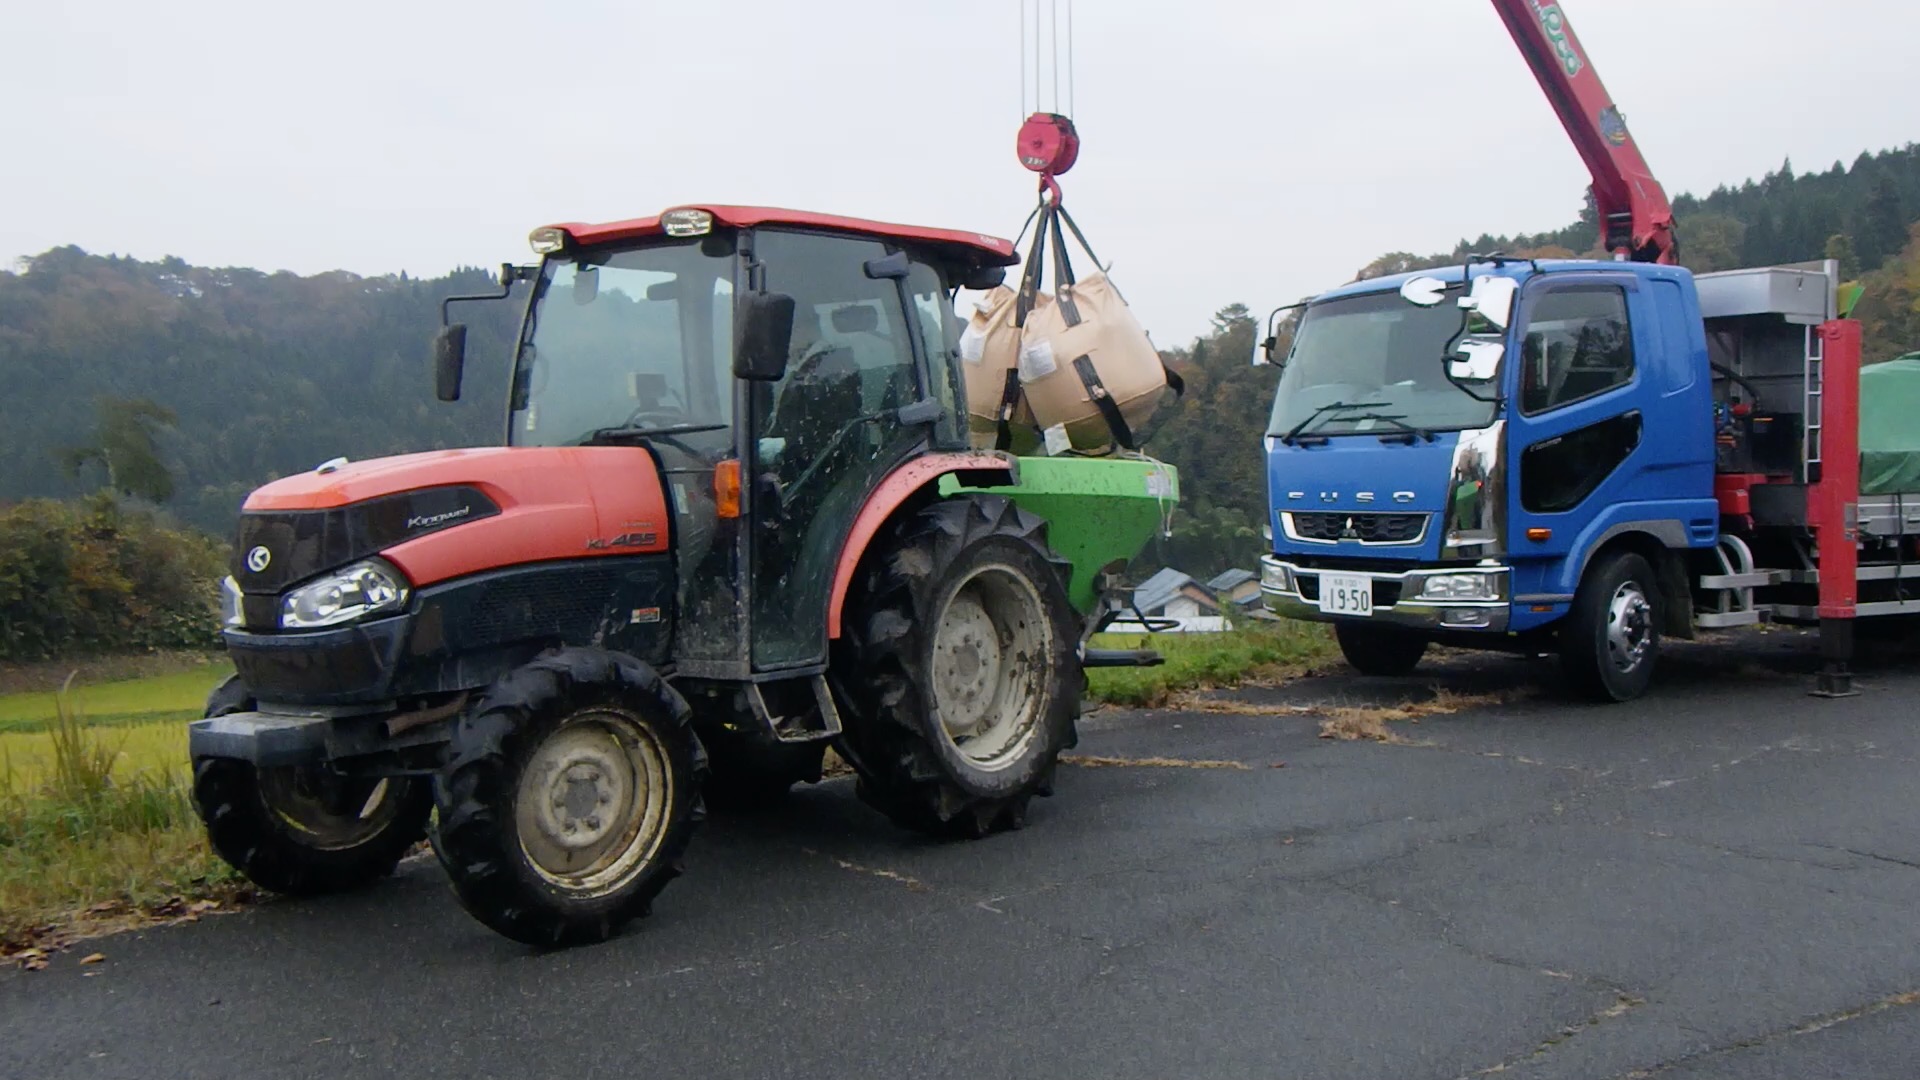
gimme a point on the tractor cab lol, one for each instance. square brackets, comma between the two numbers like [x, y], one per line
[777, 365]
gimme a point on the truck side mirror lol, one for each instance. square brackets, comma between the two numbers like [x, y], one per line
[449, 360]
[762, 334]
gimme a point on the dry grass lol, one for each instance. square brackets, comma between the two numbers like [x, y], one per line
[1369, 722]
[1096, 762]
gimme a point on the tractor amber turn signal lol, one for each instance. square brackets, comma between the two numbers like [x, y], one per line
[1539, 534]
[726, 488]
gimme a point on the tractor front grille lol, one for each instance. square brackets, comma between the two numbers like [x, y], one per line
[1364, 527]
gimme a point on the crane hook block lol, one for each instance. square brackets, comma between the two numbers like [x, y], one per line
[1048, 144]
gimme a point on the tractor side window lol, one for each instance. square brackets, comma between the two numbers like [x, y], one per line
[1578, 344]
[940, 335]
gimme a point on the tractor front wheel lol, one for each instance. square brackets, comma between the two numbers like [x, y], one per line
[959, 669]
[571, 791]
[304, 830]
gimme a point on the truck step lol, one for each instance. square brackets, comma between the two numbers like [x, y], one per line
[1753, 580]
[1720, 620]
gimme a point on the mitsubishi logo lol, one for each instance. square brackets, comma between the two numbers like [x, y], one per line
[1348, 532]
[258, 558]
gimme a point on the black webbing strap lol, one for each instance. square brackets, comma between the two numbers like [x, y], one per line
[1030, 274]
[1009, 397]
[1109, 408]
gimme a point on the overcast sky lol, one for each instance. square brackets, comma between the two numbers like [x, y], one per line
[1251, 152]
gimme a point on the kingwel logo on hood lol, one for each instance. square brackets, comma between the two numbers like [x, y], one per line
[428, 521]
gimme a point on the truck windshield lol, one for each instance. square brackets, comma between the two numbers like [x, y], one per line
[1373, 363]
[622, 342]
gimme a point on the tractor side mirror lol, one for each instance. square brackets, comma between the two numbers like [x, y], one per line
[984, 278]
[762, 334]
[449, 360]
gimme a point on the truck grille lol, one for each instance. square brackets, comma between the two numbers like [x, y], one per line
[1367, 528]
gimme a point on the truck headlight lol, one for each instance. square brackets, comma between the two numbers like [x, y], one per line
[1459, 587]
[365, 588]
[231, 615]
[1274, 576]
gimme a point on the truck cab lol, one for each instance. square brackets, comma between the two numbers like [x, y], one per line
[1522, 454]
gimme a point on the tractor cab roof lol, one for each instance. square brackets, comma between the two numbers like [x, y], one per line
[969, 248]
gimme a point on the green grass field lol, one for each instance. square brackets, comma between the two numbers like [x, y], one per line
[95, 806]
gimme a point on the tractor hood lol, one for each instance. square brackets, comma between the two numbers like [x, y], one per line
[1357, 497]
[447, 513]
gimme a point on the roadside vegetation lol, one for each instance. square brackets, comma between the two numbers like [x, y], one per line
[1254, 651]
[97, 828]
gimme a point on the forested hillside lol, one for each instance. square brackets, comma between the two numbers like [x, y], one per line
[225, 378]
[260, 374]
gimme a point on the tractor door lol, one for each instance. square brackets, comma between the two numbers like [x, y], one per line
[829, 430]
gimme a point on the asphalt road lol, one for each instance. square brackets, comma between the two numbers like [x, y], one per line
[1717, 883]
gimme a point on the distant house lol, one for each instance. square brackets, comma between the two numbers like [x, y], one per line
[1171, 594]
[1236, 589]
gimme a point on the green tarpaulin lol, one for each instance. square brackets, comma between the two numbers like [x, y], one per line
[1890, 427]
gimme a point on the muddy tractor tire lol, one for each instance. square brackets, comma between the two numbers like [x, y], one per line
[1379, 650]
[304, 830]
[570, 793]
[958, 669]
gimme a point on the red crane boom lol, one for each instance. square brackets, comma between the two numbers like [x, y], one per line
[1636, 221]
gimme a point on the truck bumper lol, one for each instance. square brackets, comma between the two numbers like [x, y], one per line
[1401, 598]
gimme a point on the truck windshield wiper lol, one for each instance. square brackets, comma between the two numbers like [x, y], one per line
[1331, 406]
[1398, 422]
[624, 432]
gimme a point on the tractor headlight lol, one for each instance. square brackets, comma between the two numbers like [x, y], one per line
[365, 588]
[1459, 587]
[231, 616]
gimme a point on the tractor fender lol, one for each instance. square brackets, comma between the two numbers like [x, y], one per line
[976, 469]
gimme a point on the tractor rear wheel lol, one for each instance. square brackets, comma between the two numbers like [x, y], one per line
[570, 794]
[304, 830]
[959, 669]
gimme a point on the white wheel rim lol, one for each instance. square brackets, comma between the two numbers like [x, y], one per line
[1629, 627]
[593, 802]
[991, 651]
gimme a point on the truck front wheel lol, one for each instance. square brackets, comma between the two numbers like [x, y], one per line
[1379, 650]
[1612, 636]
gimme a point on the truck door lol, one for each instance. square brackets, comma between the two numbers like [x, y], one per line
[1576, 419]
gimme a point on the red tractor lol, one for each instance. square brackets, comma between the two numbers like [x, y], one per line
[738, 520]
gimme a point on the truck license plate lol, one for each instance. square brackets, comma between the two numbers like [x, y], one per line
[1346, 594]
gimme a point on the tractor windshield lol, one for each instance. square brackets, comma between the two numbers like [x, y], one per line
[1373, 363]
[624, 342]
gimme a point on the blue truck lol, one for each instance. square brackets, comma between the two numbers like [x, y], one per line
[1569, 456]
[1585, 456]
